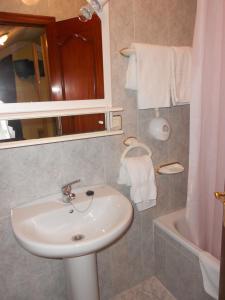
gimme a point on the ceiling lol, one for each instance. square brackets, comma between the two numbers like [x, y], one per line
[20, 34]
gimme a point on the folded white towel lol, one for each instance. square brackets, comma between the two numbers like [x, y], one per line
[152, 66]
[181, 75]
[210, 267]
[138, 173]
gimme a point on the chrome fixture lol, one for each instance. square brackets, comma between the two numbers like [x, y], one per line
[88, 10]
[67, 192]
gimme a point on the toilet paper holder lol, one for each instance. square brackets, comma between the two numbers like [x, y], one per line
[159, 128]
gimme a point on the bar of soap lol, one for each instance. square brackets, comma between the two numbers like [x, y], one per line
[171, 169]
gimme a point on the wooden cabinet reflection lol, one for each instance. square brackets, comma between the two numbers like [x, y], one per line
[51, 127]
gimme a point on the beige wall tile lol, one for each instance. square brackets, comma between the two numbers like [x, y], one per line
[151, 21]
[181, 22]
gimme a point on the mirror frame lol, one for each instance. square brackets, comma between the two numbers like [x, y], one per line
[27, 110]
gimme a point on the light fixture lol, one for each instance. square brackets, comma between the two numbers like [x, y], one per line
[30, 2]
[3, 38]
[87, 11]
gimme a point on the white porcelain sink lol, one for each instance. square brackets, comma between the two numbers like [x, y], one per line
[74, 233]
[52, 229]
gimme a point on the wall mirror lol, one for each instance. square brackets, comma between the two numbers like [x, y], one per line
[54, 69]
[29, 129]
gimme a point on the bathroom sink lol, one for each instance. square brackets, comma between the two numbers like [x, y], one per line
[51, 228]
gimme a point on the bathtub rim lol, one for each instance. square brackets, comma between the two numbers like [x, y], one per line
[167, 223]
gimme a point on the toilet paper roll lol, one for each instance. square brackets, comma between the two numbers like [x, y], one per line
[159, 128]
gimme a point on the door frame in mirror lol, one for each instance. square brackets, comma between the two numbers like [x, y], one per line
[25, 110]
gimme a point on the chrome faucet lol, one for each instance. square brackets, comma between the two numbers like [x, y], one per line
[67, 192]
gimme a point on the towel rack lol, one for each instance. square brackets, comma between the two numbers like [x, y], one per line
[127, 52]
[132, 143]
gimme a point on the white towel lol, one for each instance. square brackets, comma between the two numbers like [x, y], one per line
[6, 132]
[210, 267]
[181, 75]
[131, 80]
[152, 66]
[138, 173]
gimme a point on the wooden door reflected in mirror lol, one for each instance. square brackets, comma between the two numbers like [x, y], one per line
[79, 48]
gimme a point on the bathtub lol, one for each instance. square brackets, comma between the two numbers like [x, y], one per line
[178, 260]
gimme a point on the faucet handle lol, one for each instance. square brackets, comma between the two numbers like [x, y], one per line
[66, 189]
[74, 182]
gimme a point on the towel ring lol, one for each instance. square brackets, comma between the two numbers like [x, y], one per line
[135, 145]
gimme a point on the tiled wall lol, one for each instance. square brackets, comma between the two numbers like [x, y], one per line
[32, 172]
[178, 268]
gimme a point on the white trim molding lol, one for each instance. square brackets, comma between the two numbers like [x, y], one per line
[52, 111]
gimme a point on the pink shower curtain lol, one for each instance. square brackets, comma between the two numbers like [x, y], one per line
[207, 127]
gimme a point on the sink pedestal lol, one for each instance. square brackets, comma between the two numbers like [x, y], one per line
[81, 277]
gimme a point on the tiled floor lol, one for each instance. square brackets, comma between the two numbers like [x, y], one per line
[150, 289]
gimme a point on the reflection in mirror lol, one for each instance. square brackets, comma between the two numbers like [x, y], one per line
[34, 59]
[79, 49]
[24, 71]
[18, 130]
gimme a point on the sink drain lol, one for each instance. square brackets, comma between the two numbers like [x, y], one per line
[78, 237]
